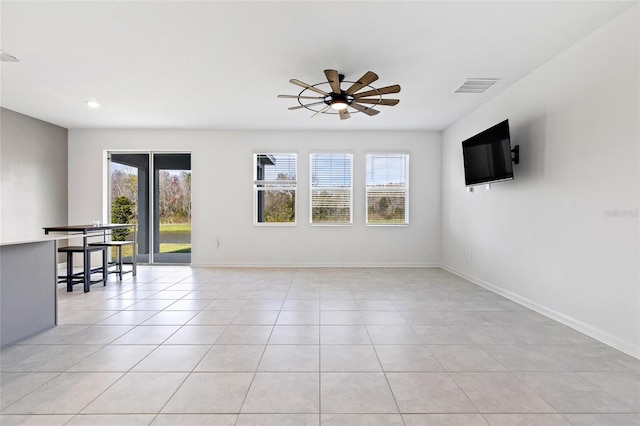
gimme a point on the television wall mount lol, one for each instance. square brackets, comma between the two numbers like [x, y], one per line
[515, 154]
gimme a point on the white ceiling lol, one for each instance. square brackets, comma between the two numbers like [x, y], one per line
[220, 65]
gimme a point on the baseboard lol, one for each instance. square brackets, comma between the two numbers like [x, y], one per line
[30, 336]
[311, 265]
[591, 331]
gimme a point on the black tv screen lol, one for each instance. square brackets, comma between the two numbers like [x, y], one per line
[487, 156]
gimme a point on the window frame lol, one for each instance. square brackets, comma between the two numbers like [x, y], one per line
[350, 156]
[407, 156]
[289, 185]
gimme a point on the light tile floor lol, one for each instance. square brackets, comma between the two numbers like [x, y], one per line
[310, 346]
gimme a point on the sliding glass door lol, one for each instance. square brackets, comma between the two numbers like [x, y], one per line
[129, 196]
[172, 208]
[154, 191]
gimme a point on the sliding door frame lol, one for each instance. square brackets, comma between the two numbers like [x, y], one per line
[152, 185]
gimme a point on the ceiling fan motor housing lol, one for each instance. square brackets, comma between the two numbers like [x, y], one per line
[339, 101]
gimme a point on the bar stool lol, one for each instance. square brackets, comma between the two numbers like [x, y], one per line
[118, 263]
[72, 278]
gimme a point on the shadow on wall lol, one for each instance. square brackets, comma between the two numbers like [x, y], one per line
[532, 138]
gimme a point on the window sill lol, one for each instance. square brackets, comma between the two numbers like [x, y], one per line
[272, 224]
[387, 225]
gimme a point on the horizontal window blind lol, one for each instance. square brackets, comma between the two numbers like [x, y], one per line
[387, 182]
[331, 170]
[331, 191]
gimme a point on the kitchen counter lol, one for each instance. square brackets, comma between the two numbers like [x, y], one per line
[28, 282]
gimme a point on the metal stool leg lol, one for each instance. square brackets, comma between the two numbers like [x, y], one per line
[133, 258]
[119, 256]
[69, 271]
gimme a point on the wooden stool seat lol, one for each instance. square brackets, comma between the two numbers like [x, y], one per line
[72, 278]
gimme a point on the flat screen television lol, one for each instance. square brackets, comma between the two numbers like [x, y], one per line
[487, 156]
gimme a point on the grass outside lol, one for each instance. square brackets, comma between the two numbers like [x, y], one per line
[385, 221]
[166, 228]
[175, 248]
[175, 227]
[127, 251]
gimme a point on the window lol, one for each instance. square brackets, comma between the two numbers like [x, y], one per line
[387, 189]
[274, 188]
[331, 189]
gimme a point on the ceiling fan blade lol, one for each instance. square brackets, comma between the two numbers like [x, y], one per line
[308, 86]
[322, 111]
[361, 108]
[304, 106]
[334, 80]
[381, 91]
[390, 102]
[344, 114]
[368, 78]
[300, 97]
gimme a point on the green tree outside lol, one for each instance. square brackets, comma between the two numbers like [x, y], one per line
[122, 211]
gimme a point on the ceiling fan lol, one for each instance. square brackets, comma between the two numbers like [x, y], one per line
[334, 100]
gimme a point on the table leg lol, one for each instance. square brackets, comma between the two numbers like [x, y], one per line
[105, 264]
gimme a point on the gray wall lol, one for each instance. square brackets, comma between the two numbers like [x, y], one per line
[33, 176]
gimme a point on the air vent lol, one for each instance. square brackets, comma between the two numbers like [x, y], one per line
[6, 57]
[476, 85]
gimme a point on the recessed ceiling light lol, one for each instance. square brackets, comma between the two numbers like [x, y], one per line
[93, 104]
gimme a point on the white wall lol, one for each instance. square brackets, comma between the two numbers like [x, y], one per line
[563, 238]
[222, 198]
[33, 174]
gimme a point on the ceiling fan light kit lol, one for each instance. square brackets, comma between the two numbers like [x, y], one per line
[335, 100]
